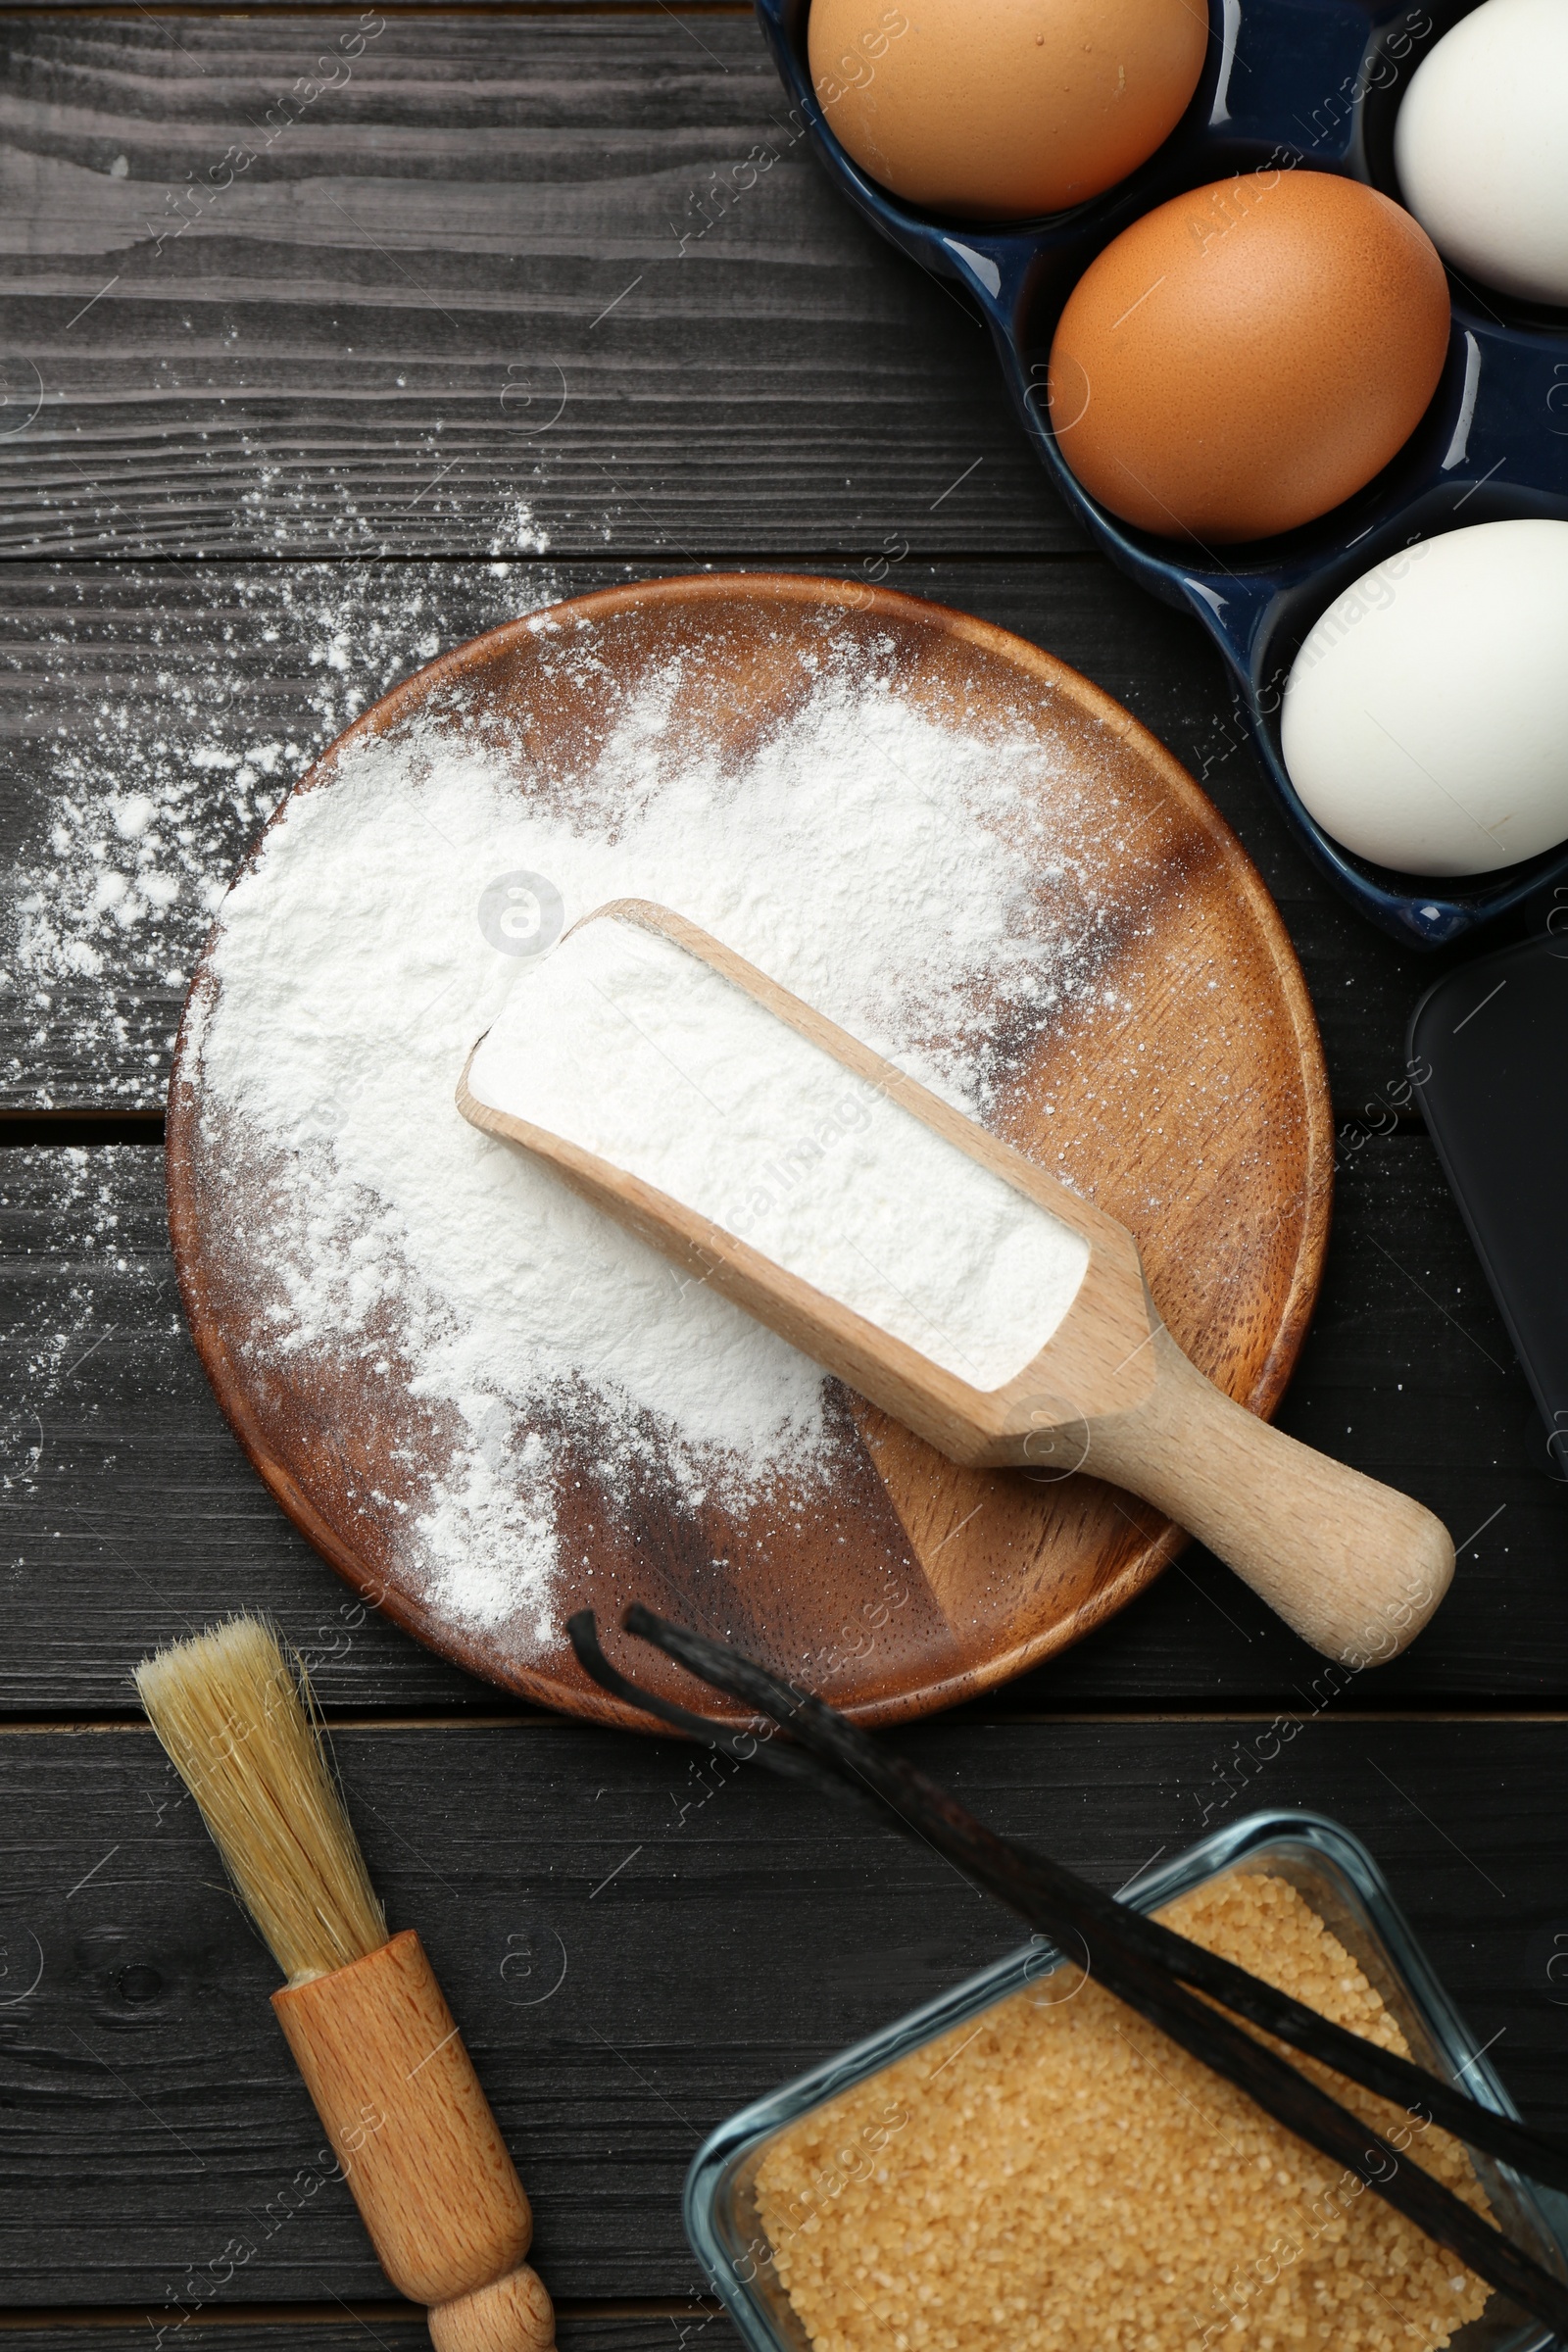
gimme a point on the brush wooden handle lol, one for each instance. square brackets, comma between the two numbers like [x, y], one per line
[1354, 1567]
[419, 2148]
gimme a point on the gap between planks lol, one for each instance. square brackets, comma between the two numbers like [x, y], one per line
[316, 2315]
[833, 559]
[445, 1724]
[709, 10]
[24, 1130]
[21, 1130]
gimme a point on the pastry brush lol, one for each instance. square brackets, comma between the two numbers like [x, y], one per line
[361, 2011]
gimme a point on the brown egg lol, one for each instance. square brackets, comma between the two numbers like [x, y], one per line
[996, 108]
[1248, 355]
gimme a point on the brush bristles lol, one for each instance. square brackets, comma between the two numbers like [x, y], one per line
[233, 1714]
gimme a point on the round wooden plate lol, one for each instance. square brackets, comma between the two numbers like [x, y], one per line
[1185, 1091]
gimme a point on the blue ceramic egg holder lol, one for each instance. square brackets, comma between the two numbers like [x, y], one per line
[1287, 85]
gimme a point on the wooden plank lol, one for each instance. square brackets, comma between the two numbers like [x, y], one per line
[500, 283]
[131, 1515]
[336, 2328]
[200, 691]
[701, 14]
[199, 695]
[677, 1964]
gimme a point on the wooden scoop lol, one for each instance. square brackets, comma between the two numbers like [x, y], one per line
[1355, 1568]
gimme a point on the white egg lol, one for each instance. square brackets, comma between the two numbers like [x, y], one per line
[1425, 723]
[1481, 147]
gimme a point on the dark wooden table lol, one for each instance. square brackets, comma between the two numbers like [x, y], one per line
[488, 318]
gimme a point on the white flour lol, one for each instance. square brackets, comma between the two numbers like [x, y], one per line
[169, 753]
[899, 874]
[625, 1045]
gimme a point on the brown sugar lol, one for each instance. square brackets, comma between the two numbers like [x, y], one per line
[1059, 2176]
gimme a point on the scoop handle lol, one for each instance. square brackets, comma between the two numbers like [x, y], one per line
[1354, 1567]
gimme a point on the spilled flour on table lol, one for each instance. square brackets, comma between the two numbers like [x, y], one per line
[182, 721]
[907, 878]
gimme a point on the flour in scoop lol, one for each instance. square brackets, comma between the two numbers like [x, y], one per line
[623, 1043]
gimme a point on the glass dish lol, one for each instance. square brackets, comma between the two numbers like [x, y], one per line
[1335, 1874]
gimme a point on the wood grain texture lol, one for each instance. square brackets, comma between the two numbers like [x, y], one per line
[392, 2080]
[1179, 1083]
[363, 346]
[512, 2314]
[130, 1516]
[337, 2326]
[1354, 1567]
[696, 13]
[205, 689]
[503, 283]
[636, 1945]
